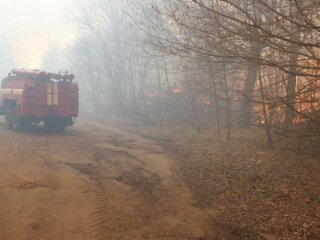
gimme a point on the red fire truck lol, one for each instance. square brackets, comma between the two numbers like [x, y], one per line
[28, 96]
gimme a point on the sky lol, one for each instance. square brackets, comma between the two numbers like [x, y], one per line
[30, 27]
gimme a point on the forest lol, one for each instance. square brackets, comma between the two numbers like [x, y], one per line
[220, 65]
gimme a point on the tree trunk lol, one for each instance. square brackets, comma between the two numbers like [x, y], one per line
[228, 103]
[265, 114]
[249, 84]
[291, 88]
[215, 95]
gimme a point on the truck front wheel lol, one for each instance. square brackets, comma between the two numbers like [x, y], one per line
[13, 119]
[8, 116]
[18, 123]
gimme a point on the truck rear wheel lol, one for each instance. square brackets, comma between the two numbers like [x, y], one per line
[54, 126]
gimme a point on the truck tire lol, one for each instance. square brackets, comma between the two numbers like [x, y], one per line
[17, 123]
[54, 127]
[60, 128]
[8, 116]
[15, 118]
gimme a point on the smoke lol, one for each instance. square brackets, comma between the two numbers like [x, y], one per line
[7, 61]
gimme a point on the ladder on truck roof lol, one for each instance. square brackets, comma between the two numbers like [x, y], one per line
[62, 75]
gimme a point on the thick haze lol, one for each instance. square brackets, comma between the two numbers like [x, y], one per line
[30, 27]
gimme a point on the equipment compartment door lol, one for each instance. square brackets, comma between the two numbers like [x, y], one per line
[52, 94]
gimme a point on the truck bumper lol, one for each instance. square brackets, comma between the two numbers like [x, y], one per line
[49, 111]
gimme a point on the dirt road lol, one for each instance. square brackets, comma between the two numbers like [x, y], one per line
[93, 182]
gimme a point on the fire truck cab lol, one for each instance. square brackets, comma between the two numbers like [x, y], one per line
[38, 96]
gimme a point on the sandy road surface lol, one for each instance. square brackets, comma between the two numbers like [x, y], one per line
[92, 182]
